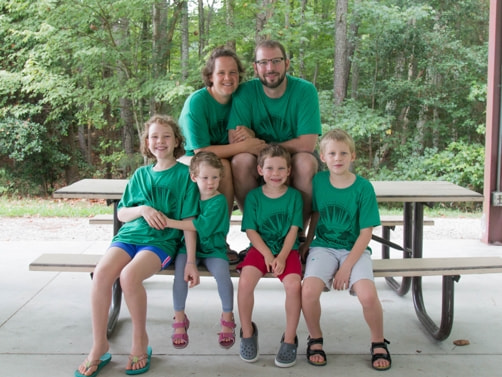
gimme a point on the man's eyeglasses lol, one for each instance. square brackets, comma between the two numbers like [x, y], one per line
[264, 62]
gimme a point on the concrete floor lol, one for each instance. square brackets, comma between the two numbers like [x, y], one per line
[45, 325]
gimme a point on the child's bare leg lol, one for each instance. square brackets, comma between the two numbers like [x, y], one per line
[144, 265]
[373, 314]
[311, 308]
[245, 298]
[105, 274]
[293, 306]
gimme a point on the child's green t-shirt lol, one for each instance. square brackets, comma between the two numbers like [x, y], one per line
[212, 225]
[342, 212]
[273, 218]
[170, 191]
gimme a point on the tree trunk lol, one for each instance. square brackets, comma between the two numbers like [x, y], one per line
[230, 6]
[341, 66]
[301, 55]
[262, 18]
[159, 48]
[171, 28]
[202, 30]
[184, 41]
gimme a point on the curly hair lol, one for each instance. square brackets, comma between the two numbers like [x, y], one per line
[167, 121]
[219, 52]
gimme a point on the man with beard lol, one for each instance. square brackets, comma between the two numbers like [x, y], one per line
[277, 108]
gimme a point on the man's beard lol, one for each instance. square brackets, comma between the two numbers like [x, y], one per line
[274, 84]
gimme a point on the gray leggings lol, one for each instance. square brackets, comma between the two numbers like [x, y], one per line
[218, 268]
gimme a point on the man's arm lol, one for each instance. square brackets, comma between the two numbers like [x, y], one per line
[303, 143]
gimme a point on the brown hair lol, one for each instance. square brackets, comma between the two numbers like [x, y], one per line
[167, 121]
[274, 150]
[338, 135]
[269, 43]
[219, 52]
[205, 158]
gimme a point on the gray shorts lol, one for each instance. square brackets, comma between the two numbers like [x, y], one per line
[323, 263]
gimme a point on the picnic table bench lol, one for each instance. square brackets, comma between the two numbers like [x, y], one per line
[449, 268]
[413, 194]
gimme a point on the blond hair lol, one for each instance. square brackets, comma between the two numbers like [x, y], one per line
[337, 135]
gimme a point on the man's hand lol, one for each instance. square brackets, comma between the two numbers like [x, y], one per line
[240, 133]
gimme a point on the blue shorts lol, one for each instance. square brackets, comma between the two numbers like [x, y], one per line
[132, 250]
[324, 262]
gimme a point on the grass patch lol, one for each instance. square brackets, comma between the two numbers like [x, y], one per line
[38, 207]
[43, 207]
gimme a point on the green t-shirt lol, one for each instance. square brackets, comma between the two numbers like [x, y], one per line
[294, 114]
[212, 225]
[170, 191]
[203, 121]
[273, 218]
[342, 212]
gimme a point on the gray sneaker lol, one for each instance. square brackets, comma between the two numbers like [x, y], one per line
[286, 357]
[249, 346]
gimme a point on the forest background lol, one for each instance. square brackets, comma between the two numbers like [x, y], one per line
[78, 78]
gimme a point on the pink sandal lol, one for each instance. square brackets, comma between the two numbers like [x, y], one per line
[183, 337]
[227, 339]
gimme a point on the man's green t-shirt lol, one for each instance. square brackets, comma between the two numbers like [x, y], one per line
[342, 212]
[203, 121]
[273, 218]
[294, 114]
[212, 226]
[171, 192]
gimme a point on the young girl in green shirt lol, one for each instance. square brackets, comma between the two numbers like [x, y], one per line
[144, 245]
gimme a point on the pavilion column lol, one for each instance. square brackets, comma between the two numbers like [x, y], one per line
[492, 211]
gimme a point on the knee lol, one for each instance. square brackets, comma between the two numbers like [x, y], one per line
[293, 287]
[304, 164]
[128, 280]
[310, 294]
[369, 300]
[243, 164]
[103, 277]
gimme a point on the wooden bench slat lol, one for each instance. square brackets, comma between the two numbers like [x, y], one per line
[437, 266]
[237, 220]
[381, 267]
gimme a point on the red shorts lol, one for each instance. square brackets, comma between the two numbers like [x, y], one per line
[255, 258]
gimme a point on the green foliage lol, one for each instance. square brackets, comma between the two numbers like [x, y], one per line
[460, 163]
[70, 70]
[32, 152]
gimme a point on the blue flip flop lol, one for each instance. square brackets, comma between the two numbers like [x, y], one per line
[136, 359]
[103, 360]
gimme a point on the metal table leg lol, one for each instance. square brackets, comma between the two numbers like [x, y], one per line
[402, 288]
[442, 331]
[113, 314]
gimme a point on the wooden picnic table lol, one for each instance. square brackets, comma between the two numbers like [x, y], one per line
[413, 194]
